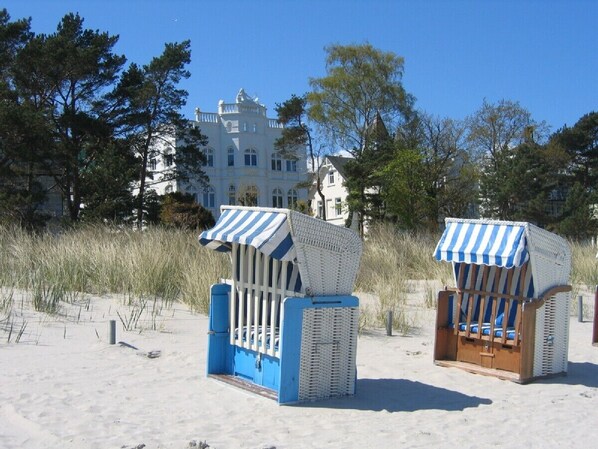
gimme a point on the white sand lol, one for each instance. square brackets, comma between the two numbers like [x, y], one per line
[63, 387]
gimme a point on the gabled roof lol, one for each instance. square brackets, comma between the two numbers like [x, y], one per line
[339, 162]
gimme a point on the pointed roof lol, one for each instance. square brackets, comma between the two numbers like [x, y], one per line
[339, 162]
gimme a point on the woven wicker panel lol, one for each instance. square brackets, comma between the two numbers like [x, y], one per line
[552, 336]
[561, 341]
[328, 255]
[539, 342]
[328, 349]
[550, 257]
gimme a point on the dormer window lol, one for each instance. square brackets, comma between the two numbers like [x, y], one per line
[331, 177]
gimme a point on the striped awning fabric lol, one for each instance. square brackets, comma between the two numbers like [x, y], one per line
[501, 244]
[265, 230]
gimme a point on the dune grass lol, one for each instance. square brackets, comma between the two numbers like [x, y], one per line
[171, 265]
[157, 262]
[391, 261]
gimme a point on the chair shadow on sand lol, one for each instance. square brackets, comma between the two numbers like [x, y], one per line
[401, 395]
[578, 373]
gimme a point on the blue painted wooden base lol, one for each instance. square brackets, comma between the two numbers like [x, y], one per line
[278, 374]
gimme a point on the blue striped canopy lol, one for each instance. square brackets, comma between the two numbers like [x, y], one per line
[265, 230]
[502, 244]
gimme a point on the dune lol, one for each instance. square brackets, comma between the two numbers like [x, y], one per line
[63, 385]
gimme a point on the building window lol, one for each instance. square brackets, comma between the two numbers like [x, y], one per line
[250, 158]
[168, 160]
[232, 195]
[255, 127]
[292, 199]
[209, 197]
[229, 127]
[168, 188]
[292, 166]
[209, 153]
[276, 162]
[331, 177]
[277, 198]
[319, 212]
[231, 157]
[338, 207]
[152, 164]
[244, 126]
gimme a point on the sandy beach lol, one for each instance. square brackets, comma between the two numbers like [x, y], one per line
[64, 386]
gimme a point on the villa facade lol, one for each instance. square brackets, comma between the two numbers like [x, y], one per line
[242, 164]
[332, 177]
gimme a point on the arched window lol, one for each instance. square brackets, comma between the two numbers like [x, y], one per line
[292, 198]
[291, 166]
[276, 162]
[250, 157]
[168, 188]
[277, 198]
[209, 197]
[209, 153]
[232, 195]
[231, 157]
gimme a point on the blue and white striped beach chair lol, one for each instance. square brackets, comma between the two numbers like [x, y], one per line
[507, 315]
[285, 324]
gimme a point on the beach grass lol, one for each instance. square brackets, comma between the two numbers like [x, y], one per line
[170, 265]
[157, 262]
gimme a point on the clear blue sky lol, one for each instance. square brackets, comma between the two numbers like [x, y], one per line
[542, 53]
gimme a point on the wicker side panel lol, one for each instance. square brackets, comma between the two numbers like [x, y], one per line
[561, 342]
[328, 349]
[552, 336]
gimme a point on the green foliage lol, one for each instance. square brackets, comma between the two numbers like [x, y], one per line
[361, 93]
[361, 83]
[148, 110]
[74, 67]
[580, 221]
[495, 130]
[405, 193]
[107, 185]
[181, 211]
[580, 143]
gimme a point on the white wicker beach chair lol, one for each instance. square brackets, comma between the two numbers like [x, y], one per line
[285, 324]
[508, 314]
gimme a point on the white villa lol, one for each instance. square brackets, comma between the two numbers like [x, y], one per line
[242, 164]
[332, 176]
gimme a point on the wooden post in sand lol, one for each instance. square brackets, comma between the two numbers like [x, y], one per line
[389, 323]
[112, 332]
[580, 309]
[595, 334]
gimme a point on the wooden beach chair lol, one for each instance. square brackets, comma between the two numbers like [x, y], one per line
[508, 314]
[285, 324]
